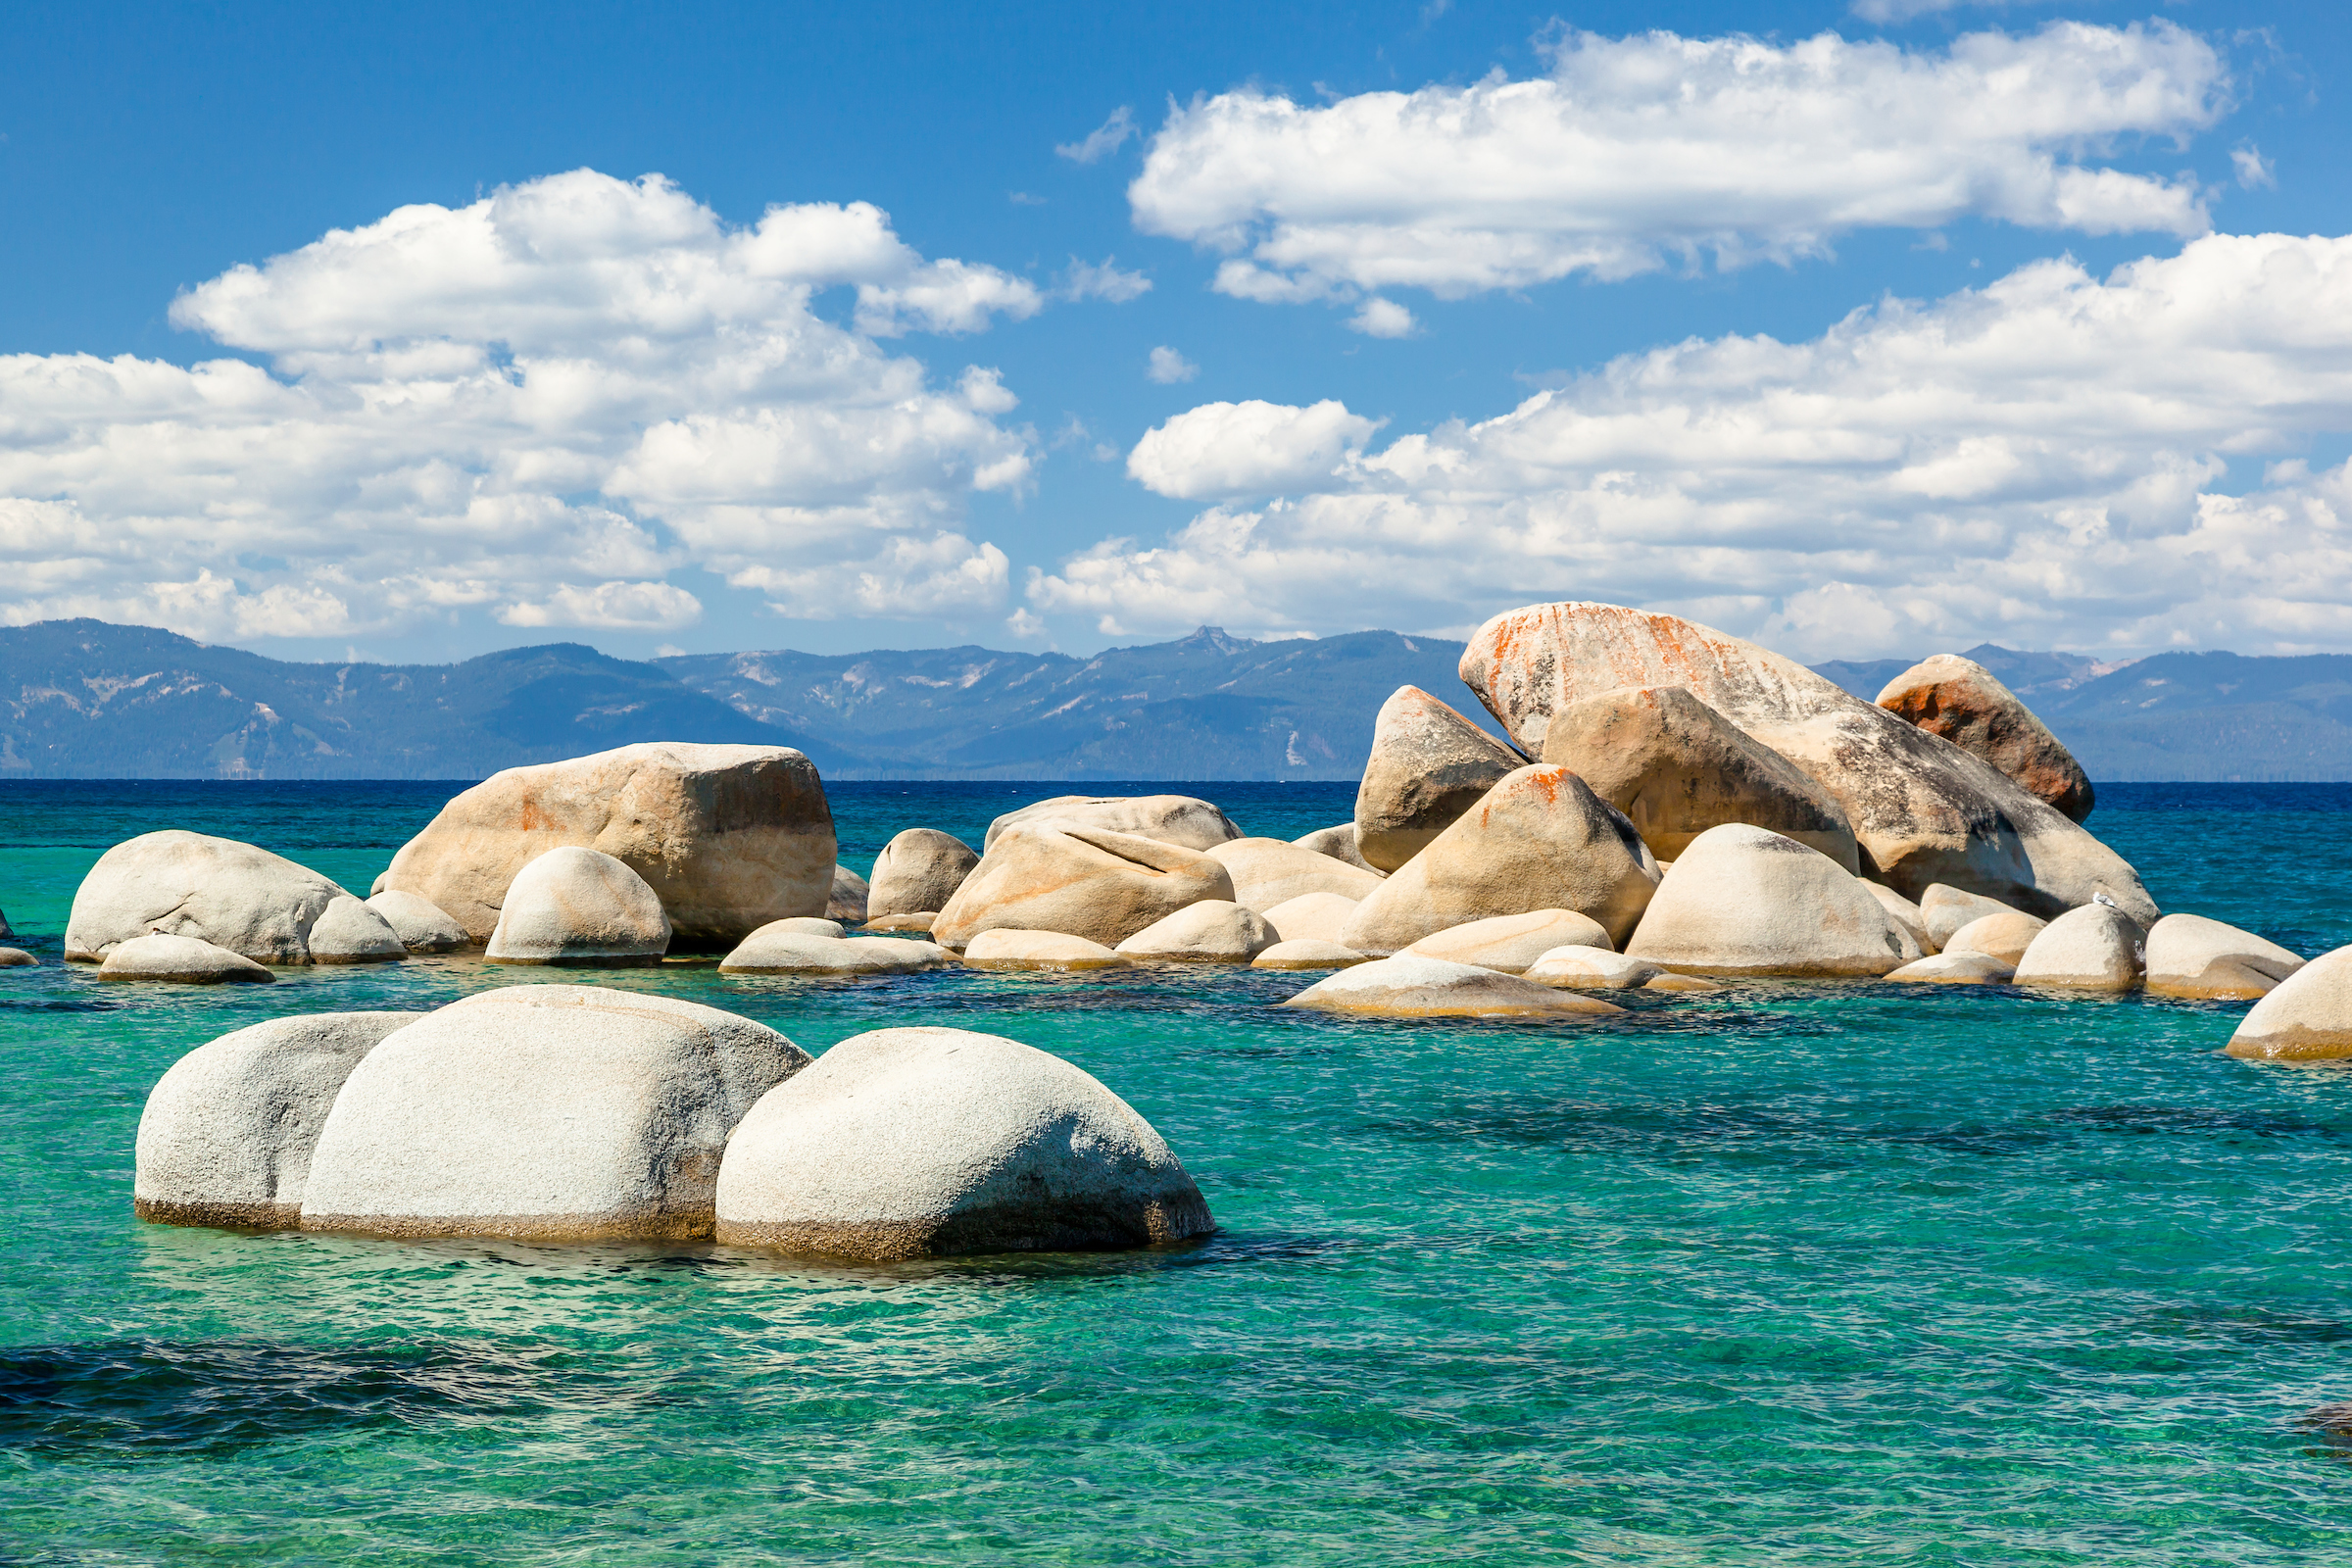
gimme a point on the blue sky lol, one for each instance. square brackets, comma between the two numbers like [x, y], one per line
[1988, 461]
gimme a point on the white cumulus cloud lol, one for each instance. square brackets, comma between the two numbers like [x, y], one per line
[1167, 367]
[1235, 449]
[2056, 459]
[535, 407]
[1639, 152]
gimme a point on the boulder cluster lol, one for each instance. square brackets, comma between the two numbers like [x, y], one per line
[567, 1114]
[1661, 808]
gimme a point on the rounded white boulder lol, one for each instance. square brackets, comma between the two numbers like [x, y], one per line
[347, 931]
[422, 925]
[1742, 901]
[226, 1136]
[933, 1142]
[918, 872]
[2005, 936]
[2190, 956]
[219, 891]
[543, 1112]
[2308, 1018]
[575, 905]
[1212, 931]
[2091, 948]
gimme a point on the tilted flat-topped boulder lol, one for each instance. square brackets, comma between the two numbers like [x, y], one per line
[2190, 956]
[728, 837]
[1745, 902]
[773, 950]
[931, 1143]
[1676, 768]
[1538, 840]
[576, 906]
[1266, 872]
[1509, 943]
[917, 872]
[1412, 986]
[219, 891]
[1955, 969]
[1429, 765]
[1180, 820]
[543, 1112]
[1081, 881]
[1578, 967]
[1307, 952]
[1001, 947]
[184, 959]
[1923, 811]
[1969, 706]
[226, 1136]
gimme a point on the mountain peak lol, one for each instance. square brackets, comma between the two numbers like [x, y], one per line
[1213, 638]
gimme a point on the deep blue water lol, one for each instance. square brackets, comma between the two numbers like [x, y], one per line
[1793, 1274]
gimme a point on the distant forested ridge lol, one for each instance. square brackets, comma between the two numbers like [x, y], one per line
[86, 698]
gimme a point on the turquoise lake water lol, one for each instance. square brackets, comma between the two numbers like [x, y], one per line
[1791, 1274]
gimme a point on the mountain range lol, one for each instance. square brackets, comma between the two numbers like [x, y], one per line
[86, 699]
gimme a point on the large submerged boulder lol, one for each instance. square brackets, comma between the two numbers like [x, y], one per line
[1081, 881]
[1411, 984]
[728, 837]
[1538, 840]
[2190, 956]
[933, 1142]
[1676, 768]
[543, 1112]
[1429, 765]
[1923, 811]
[2307, 1019]
[1266, 872]
[1745, 902]
[226, 1136]
[918, 872]
[1179, 819]
[225, 893]
[1968, 705]
[579, 906]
